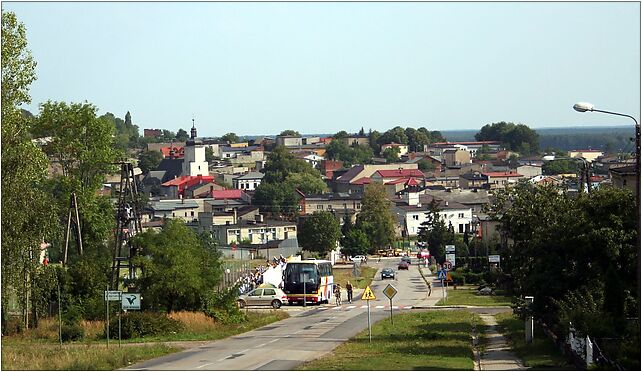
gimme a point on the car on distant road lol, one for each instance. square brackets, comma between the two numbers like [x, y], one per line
[406, 259]
[403, 265]
[266, 296]
[359, 259]
[387, 273]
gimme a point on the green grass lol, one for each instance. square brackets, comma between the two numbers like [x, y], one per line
[418, 340]
[542, 354]
[343, 275]
[21, 356]
[468, 296]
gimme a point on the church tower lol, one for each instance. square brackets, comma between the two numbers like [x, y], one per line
[194, 162]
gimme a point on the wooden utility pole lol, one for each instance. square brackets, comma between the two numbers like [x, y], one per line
[72, 216]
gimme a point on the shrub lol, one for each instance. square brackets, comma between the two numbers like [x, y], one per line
[222, 306]
[136, 324]
[72, 332]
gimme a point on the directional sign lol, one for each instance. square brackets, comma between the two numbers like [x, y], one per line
[450, 257]
[131, 301]
[494, 258]
[448, 265]
[368, 295]
[112, 295]
[390, 291]
[450, 249]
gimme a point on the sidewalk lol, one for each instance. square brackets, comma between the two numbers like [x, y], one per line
[497, 354]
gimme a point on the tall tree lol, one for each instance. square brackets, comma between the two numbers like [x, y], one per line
[180, 268]
[230, 137]
[516, 137]
[320, 233]
[375, 218]
[290, 132]
[434, 232]
[396, 135]
[149, 160]
[27, 217]
[182, 135]
[355, 242]
[391, 154]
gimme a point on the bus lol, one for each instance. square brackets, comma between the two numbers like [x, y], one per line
[319, 282]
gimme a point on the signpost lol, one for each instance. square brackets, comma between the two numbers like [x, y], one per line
[390, 292]
[368, 295]
[442, 275]
[448, 265]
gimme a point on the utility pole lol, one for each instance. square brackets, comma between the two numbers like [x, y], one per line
[72, 217]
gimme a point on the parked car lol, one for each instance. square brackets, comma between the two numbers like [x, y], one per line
[406, 259]
[267, 296]
[403, 265]
[387, 273]
[359, 259]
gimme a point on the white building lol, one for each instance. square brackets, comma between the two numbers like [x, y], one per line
[194, 163]
[412, 211]
[249, 181]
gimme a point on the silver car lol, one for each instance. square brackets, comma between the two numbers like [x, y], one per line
[262, 297]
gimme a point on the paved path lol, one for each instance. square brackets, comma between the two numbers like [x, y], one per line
[497, 355]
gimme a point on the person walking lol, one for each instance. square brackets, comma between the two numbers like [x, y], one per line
[349, 289]
[337, 294]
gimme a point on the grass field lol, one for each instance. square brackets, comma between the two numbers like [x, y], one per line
[468, 296]
[38, 349]
[542, 354]
[416, 341]
[29, 356]
[343, 275]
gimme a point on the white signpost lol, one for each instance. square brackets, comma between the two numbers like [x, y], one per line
[494, 258]
[450, 257]
[450, 248]
[112, 295]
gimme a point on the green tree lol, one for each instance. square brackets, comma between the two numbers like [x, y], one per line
[350, 155]
[433, 136]
[167, 136]
[179, 268]
[82, 145]
[434, 232]
[149, 160]
[561, 166]
[373, 139]
[126, 135]
[27, 215]
[341, 134]
[516, 137]
[230, 137]
[182, 135]
[320, 233]
[375, 218]
[391, 154]
[396, 135]
[355, 242]
[307, 183]
[290, 132]
[209, 154]
[416, 139]
[425, 165]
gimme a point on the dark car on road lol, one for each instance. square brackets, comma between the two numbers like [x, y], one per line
[406, 259]
[387, 273]
[403, 265]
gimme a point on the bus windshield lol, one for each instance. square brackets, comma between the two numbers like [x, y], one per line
[298, 272]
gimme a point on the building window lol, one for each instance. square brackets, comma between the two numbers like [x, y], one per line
[320, 207]
[192, 213]
[415, 217]
[461, 215]
[358, 206]
[623, 182]
[329, 207]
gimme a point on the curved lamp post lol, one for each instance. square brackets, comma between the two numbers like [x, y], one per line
[584, 107]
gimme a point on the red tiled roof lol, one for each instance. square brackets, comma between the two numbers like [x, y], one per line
[408, 181]
[227, 194]
[179, 151]
[501, 174]
[400, 173]
[362, 181]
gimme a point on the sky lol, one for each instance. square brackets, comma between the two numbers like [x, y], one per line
[261, 68]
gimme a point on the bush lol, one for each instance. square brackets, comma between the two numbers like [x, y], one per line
[72, 332]
[136, 324]
[222, 306]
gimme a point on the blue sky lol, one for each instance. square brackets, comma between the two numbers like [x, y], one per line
[260, 68]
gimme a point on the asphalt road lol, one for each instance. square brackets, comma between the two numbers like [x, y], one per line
[308, 334]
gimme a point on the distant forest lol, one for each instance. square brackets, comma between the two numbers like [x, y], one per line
[609, 139]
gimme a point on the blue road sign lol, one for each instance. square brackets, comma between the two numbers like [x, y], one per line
[441, 274]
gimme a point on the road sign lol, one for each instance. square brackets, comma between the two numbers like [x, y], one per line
[112, 295]
[494, 258]
[450, 257]
[450, 249]
[390, 291]
[368, 295]
[441, 274]
[448, 277]
[448, 265]
[131, 301]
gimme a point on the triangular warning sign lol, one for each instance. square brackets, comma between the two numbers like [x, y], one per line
[368, 295]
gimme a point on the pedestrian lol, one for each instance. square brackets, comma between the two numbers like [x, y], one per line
[429, 289]
[349, 289]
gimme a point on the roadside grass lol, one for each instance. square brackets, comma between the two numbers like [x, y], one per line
[415, 341]
[21, 356]
[542, 354]
[365, 278]
[199, 327]
[468, 296]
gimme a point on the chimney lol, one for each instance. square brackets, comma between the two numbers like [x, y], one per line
[446, 203]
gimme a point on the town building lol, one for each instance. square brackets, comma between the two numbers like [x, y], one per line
[248, 181]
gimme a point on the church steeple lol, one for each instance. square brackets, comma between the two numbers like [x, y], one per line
[193, 132]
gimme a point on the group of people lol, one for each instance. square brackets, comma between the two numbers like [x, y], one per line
[337, 292]
[251, 279]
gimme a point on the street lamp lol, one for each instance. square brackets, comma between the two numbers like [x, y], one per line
[585, 106]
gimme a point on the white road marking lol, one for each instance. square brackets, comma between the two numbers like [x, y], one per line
[364, 306]
[351, 307]
[379, 307]
[407, 307]
[336, 308]
[275, 340]
[204, 365]
[258, 346]
[395, 307]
